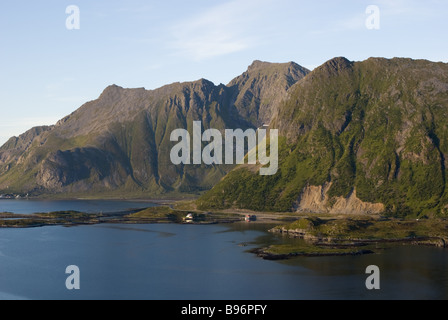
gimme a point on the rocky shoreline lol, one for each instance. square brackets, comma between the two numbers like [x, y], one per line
[348, 237]
[319, 240]
[266, 255]
[138, 216]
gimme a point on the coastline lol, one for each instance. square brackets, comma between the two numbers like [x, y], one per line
[363, 247]
[316, 235]
[353, 236]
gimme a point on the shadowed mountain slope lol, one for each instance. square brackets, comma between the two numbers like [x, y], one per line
[119, 144]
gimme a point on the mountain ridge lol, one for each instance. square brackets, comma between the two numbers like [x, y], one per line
[120, 142]
[355, 136]
[374, 129]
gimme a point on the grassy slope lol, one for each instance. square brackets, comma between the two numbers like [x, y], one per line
[373, 126]
[354, 235]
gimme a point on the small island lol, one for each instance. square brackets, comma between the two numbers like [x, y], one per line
[317, 235]
[158, 214]
[353, 235]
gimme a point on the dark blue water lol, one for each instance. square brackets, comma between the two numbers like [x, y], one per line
[190, 262]
[23, 206]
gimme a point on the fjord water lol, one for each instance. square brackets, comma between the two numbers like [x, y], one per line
[200, 262]
[29, 206]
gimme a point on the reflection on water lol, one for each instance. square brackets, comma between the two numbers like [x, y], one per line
[29, 206]
[134, 228]
[407, 272]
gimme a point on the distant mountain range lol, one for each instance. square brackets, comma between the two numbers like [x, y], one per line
[355, 137]
[119, 145]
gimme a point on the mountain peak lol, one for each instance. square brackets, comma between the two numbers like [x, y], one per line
[337, 64]
[114, 92]
[113, 87]
[111, 90]
[260, 90]
[269, 68]
[373, 131]
[257, 64]
[204, 82]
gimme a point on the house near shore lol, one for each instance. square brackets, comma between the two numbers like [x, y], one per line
[250, 218]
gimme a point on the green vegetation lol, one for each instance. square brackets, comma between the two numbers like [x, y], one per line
[377, 127]
[158, 214]
[371, 126]
[353, 235]
[164, 213]
[66, 218]
[285, 251]
[366, 228]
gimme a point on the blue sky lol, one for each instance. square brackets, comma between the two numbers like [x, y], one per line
[48, 71]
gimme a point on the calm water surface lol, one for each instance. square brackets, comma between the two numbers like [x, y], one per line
[189, 262]
[89, 206]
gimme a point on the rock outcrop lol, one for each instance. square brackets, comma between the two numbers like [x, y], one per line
[315, 199]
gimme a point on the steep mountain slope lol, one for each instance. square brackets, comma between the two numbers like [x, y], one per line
[259, 91]
[360, 137]
[119, 144]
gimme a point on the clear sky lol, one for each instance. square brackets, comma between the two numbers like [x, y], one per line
[47, 71]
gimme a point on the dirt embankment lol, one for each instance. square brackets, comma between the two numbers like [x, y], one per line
[315, 199]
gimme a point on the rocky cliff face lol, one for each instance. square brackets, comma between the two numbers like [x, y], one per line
[120, 142]
[258, 92]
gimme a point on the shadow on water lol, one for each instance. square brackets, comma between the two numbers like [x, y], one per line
[136, 229]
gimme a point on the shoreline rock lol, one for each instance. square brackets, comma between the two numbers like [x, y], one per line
[262, 253]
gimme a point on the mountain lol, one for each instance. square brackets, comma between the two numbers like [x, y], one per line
[359, 137]
[354, 137]
[119, 144]
[258, 92]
